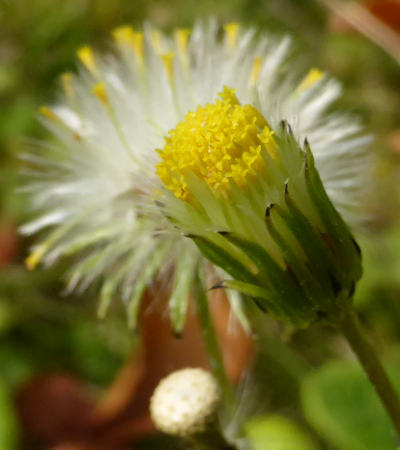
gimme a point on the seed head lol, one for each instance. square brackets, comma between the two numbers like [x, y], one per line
[185, 402]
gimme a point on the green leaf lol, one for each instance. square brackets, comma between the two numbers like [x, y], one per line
[339, 401]
[277, 433]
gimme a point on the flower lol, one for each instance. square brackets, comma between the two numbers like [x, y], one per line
[99, 194]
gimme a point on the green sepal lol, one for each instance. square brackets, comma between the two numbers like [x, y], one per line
[317, 296]
[245, 288]
[337, 230]
[322, 260]
[222, 258]
[261, 258]
[254, 291]
[279, 280]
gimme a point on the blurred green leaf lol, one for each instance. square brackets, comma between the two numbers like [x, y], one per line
[18, 119]
[17, 364]
[381, 263]
[97, 354]
[277, 433]
[7, 316]
[339, 401]
[8, 422]
[9, 78]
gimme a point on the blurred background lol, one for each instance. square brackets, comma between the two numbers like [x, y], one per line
[71, 381]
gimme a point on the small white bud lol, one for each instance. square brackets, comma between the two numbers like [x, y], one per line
[185, 402]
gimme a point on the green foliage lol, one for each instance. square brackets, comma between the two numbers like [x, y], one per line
[41, 334]
[381, 267]
[8, 423]
[95, 354]
[277, 433]
[340, 402]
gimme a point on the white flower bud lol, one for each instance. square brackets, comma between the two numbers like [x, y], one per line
[185, 402]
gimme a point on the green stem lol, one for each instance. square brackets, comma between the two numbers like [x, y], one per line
[210, 341]
[369, 360]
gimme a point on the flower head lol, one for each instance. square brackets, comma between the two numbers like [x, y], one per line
[185, 402]
[148, 117]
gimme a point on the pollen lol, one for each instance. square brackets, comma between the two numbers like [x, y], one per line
[127, 36]
[86, 55]
[255, 73]
[100, 91]
[221, 143]
[168, 62]
[231, 30]
[49, 114]
[123, 35]
[156, 40]
[182, 39]
[66, 80]
[35, 257]
[313, 76]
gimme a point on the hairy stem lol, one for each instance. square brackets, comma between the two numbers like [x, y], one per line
[210, 341]
[370, 362]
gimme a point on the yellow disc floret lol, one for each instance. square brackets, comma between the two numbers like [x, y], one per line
[220, 143]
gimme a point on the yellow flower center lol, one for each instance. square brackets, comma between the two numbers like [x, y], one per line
[220, 143]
